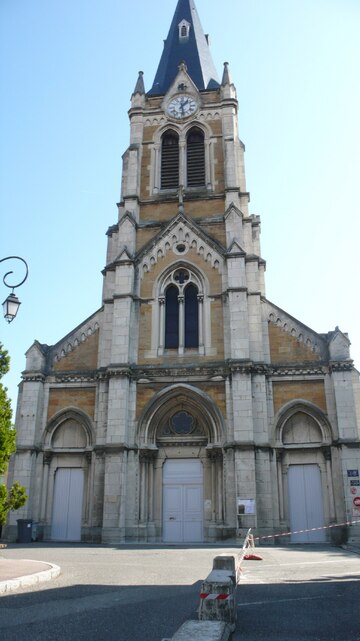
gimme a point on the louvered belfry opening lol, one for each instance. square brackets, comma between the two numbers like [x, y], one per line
[195, 158]
[170, 160]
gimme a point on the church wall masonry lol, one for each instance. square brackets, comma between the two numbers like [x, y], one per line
[182, 410]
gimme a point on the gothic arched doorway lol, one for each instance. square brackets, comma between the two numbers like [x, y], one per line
[306, 496]
[66, 474]
[181, 489]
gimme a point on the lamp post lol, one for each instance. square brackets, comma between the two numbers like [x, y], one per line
[11, 304]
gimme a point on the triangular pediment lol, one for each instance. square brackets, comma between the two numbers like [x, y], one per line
[339, 345]
[235, 249]
[36, 356]
[179, 236]
[124, 256]
[128, 217]
[182, 82]
[232, 210]
[76, 342]
[303, 335]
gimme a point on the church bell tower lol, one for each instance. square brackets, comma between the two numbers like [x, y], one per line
[182, 291]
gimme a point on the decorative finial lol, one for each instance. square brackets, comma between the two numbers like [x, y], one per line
[226, 80]
[140, 87]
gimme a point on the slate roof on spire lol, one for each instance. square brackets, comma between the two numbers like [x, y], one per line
[193, 49]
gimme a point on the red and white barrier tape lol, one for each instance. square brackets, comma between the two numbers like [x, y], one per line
[313, 529]
[207, 596]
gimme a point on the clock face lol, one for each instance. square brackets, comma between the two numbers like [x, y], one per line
[182, 106]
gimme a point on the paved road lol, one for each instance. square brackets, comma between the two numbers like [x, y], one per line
[146, 593]
[300, 594]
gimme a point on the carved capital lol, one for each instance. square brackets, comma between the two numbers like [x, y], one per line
[47, 458]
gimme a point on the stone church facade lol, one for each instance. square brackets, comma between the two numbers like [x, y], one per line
[189, 407]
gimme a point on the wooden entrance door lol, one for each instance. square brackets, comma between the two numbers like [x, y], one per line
[67, 504]
[306, 503]
[183, 501]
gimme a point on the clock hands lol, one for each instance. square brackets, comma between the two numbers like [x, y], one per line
[181, 106]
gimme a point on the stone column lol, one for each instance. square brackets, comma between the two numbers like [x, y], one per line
[230, 489]
[44, 492]
[220, 510]
[143, 485]
[200, 299]
[245, 480]
[181, 324]
[329, 483]
[147, 461]
[113, 496]
[161, 323]
[183, 164]
[216, 459]
[279, 460]
[90, 484]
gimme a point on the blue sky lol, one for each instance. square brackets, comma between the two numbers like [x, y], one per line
[67, 71]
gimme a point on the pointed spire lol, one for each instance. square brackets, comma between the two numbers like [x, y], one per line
[226, 79]
[186, 42]
[227, 87]
[140, 87]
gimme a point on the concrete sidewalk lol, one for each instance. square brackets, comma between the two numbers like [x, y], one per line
[23, 573]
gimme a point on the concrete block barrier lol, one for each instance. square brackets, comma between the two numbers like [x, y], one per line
[225, 562]
[217, 598]
[217, 610]
[203, 631]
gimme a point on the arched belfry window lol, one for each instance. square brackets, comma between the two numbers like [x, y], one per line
[195, 158]
[170, 160]
[181, 315]
[183, 157]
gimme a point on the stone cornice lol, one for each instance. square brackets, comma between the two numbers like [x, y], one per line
[33, 377]
[341, 366]
[351, 443]
[308, 369]
[74, 377]
[115, 448]
[236, 445]
[116, 371]
[194, 371]
[144, 375]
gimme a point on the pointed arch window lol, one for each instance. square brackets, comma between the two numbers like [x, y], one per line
[191, 316]
[171, 318]
[170, 160]
[181, 316]
[195, 158]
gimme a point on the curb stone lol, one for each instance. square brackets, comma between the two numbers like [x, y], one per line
[30, 580]
[202, 631]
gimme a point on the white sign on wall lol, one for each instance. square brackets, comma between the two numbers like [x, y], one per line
[245, 506]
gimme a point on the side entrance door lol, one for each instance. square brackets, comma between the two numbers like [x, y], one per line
[183, 501]
[306, 503]
[67, 504]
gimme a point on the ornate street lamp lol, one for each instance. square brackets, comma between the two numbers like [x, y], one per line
[11, 304]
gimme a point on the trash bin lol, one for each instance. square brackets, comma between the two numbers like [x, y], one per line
[24, 530]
